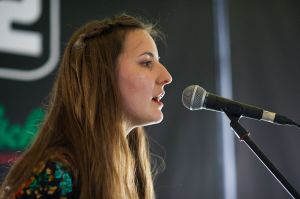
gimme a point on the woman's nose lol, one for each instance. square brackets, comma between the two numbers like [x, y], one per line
[165, 77]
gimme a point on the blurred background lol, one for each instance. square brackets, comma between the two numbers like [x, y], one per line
[245, 50]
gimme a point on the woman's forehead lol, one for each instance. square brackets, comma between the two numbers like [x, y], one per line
[140, 42]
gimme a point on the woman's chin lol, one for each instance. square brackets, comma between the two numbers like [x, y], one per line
[156, 120]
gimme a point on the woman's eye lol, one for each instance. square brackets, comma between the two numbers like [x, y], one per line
[147, 63]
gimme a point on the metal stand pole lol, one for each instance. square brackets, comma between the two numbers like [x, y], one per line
[243, 135]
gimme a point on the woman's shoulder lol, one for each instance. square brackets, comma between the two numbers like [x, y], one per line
[53, 178]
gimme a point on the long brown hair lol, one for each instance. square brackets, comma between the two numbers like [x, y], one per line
[84, 118]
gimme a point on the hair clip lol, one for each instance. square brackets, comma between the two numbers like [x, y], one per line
[80, 42]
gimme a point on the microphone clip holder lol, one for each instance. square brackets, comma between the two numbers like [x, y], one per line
[244, 136]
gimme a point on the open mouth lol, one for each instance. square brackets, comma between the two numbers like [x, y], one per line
[158, 98]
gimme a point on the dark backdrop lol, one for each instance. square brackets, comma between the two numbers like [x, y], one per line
[265, 49]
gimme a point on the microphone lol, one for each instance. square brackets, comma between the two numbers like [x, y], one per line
[195, 97]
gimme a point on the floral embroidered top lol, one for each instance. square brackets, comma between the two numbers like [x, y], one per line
[51, 179]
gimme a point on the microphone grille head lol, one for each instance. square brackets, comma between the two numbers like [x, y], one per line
[193, 97]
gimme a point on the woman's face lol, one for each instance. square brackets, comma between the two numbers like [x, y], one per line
[141, 80]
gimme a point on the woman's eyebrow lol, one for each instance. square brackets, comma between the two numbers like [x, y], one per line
[149, 54]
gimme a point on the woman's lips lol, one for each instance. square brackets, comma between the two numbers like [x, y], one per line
[157, 101]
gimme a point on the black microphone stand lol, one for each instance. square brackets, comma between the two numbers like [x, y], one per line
[243, 135]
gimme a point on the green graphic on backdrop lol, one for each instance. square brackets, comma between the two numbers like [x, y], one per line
[16, 136]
